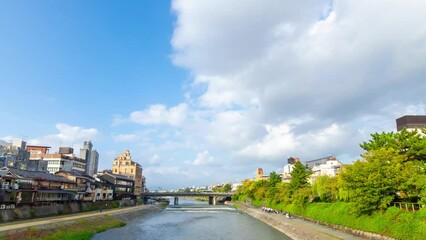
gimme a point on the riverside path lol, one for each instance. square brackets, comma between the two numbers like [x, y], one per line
[64, 218]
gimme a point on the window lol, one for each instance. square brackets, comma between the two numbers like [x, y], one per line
[115, 170]
[131, 170]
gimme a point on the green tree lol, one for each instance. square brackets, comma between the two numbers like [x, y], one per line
[283, 194]
[274, 179]
[226, 188]
[326, 188]
[410, 144]
[381, 177]
[299, 176]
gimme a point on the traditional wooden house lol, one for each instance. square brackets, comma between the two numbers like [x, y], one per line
[123, 187]
[33, 187]
[85, 187]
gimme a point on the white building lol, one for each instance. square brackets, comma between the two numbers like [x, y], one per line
[327, 166]
[288, 168]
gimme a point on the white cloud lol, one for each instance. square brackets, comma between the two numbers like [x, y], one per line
[154, 160]
[68, 135]
[204, 159]
[301, 78]
[275, 144]
[159, 115]
[125, 137]
[118, 120]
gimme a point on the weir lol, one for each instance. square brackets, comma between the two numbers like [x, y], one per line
[213, 196]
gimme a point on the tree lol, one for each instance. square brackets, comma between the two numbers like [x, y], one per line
[274, 179]
[326, 188]
[379, 178]
[407, 143]
[226, 188]
[299, 176]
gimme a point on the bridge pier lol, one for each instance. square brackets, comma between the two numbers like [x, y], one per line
[212, 200]
[176, 201]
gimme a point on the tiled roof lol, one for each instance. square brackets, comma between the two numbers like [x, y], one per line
[78, 174]
[35, 175]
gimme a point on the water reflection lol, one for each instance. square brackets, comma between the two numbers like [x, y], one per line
[195, 220]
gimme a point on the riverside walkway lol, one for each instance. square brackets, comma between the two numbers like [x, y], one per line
[15, 225]
[295, 228]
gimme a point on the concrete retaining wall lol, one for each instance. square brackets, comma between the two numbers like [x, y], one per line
[26, 211]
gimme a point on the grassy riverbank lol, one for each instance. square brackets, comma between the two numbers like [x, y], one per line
[394, 222]
[83, 229]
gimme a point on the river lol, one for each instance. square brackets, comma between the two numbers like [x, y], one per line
[194, 220]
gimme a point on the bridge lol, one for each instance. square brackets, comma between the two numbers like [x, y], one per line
[212, 195]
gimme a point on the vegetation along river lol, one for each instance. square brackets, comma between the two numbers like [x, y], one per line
[194, 220]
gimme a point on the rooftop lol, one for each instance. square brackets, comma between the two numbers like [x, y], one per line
[410, 121]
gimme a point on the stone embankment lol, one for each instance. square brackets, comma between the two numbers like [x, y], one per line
[300, 229]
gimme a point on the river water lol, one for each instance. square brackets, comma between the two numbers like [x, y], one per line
[194, 220]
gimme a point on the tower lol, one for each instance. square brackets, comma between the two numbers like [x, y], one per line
[91, 156]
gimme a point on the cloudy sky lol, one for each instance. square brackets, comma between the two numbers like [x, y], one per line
[202, 91]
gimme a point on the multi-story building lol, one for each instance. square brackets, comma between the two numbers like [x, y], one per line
[259, 175]
[33, 187]
[91, 156]
[328, 166]
[63, 160]
[411, 122]
[13, 153]
[123, 165]
[123, 187]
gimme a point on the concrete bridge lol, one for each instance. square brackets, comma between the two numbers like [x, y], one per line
[212, 195]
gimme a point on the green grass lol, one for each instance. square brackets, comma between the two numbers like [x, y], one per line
[236, 205]
[394, 222]
[83, 229]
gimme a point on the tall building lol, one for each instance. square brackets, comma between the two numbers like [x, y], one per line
[123, 165]
[91, 156]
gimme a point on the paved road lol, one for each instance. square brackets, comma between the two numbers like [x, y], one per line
[57, 219]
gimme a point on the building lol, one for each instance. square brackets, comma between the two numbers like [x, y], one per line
[123, 165]
[63, 160]
[260, 176]
[35, 149]
[91, 157]
[123, 187]
[87, 187]
[32, 187]
[326, 166]
[13, 153]
[288, 168]
[410, 122]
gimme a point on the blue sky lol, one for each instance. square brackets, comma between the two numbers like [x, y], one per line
[203, 92]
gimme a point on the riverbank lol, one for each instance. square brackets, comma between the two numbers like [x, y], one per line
[295, 228]
[76, 226]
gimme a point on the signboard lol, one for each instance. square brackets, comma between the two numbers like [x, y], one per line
[7, 206]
